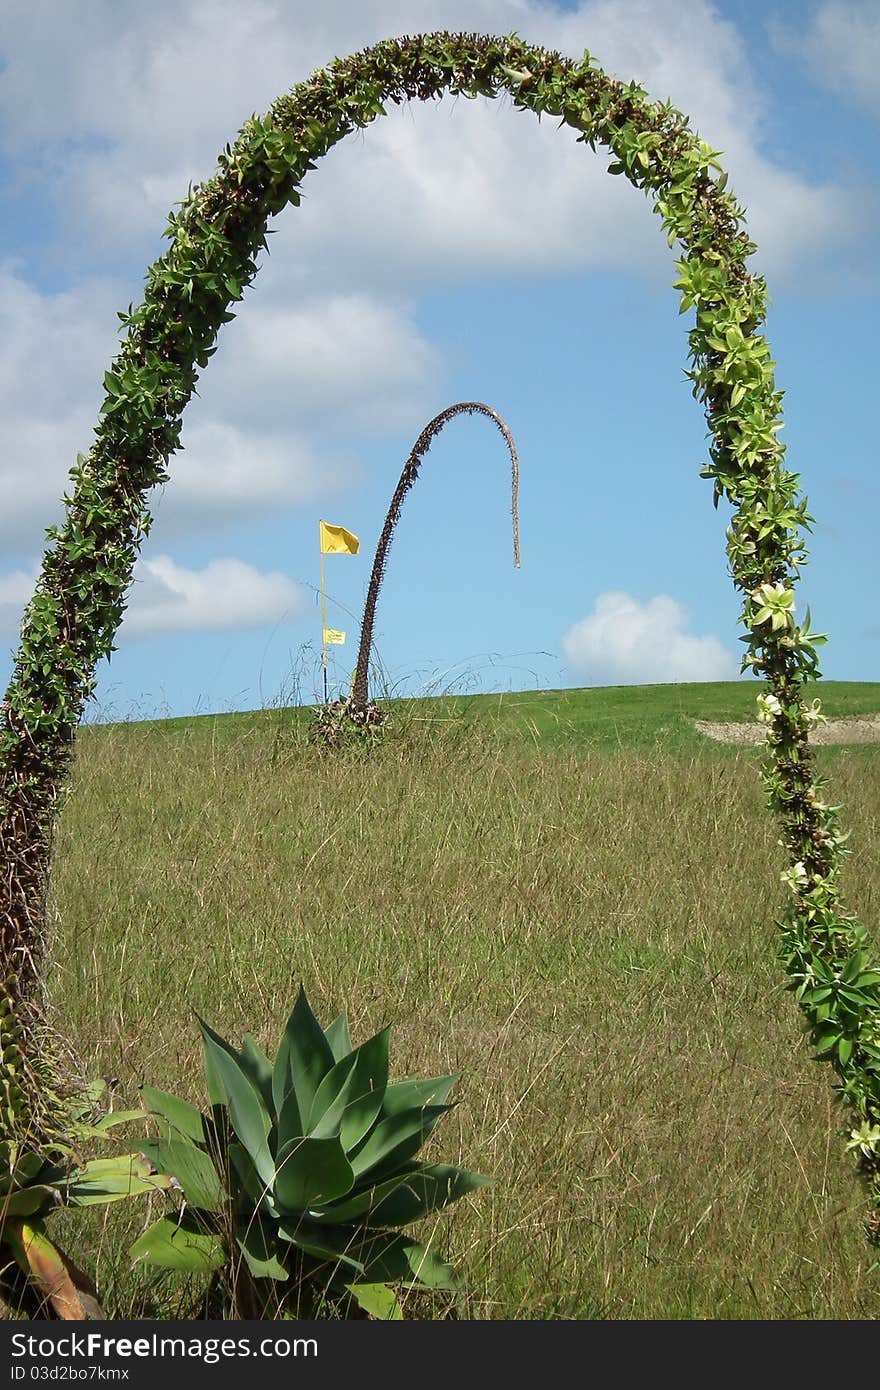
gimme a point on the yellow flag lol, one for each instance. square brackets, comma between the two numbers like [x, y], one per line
[333, 637]
[335, 540]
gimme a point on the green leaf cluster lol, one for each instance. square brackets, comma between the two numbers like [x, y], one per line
[34, 1183]
[305, 1166]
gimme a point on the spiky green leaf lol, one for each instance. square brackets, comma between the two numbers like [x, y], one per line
[37, 1200]
[260, 1250]
[398, 1259]
[369, 1089]
[217, 1092]
[325, 1243]
[378, 1300]
[395, 1139]
[339, 1037]
[303, 1060]
[182, 1116]
[183, 1244]
[360, 1202]
[429, 1189]
[403, 1095]
[254, 1061]
[190, 1166]
[111, 1179]
[249, 1116]
[247, 1188]
[289, 1124]
[331, 1099]
[310, 1172]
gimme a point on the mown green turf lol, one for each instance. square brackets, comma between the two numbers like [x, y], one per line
[542, 891]
[646, 717]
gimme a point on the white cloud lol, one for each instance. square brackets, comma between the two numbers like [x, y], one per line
[167, 597]
[227, 593]
[15, 590]
[345, 361]
[627, 642]
[841, 46]
[223, 472]
[53, 352]
[693, 56]
[449, 193]
[255, 440]
[143, 98]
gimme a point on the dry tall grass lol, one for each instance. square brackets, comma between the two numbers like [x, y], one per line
[589, 938]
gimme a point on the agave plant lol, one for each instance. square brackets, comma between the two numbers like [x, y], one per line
[303, 1173]
[34, 1183]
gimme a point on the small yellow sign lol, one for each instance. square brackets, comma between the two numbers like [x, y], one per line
[333, 637]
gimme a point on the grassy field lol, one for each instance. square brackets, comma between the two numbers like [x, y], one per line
[569, 897]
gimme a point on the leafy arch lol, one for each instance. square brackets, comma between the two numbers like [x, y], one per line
[215, 238]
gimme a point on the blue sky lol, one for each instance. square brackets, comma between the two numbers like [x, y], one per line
[453, 252]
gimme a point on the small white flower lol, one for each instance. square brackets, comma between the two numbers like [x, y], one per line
[796, 877]
[774, 604]
[814, 715]
[866, 1139]
[775, 593]
[768, 708]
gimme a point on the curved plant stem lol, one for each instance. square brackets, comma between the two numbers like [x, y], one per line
[360, 688]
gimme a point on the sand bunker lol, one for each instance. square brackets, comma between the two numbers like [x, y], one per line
[859, 728]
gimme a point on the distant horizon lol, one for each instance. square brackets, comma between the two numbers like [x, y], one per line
[106, 715]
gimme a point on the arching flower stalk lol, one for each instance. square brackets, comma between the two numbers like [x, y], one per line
[360, 689]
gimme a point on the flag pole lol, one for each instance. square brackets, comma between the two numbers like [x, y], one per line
[324, 626]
